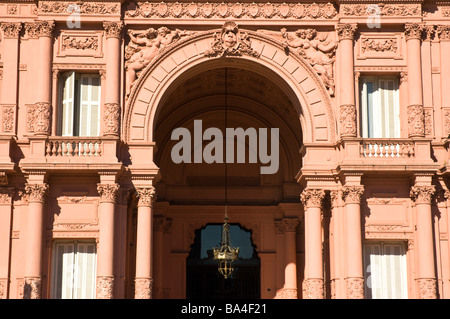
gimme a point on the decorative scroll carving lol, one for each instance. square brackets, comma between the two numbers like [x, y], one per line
[11, 29]
[32, 288]
[352, 194]
[36, 192]
[144, 47]
[113, 29]
[146, 196]
[143, 288]
[381, 45]
[346, 31]
[355, 288]
[403, 10]
[413, 31]
[111, 119]
[427, 288]
[223, 10]
[312, 197]
[416, 120]
[422, 194]
[347, 120]
[318, 49]
[314, 288]
[108, 192]
[83, 7]
[231, 42]
[105, 287]
[8, 118]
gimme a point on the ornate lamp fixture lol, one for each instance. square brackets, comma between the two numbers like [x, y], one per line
[226, 254]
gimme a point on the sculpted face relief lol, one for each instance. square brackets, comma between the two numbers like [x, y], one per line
[213, 152]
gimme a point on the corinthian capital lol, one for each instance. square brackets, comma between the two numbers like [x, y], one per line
[413, 31]
[36, 192]
[312, 197]
[422, 194]
[108, 192]
[346, 31]
[113, 29]
[11, 29]
[146, 196]
[352, 194]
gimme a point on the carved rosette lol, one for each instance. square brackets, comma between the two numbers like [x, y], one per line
[416, 120]
[36, 192]
[143, 288]
[32, 288]
[105, 286]
[422, 194]
[108, 192]
[314, 288]
[427, 288]
[346, 31]
[11, 30]
[312, 197]
[111, 119]
[355, 288]
[146, 196]
[413, 31]
[352, 194]
[42, 119]
[347, 120]
[113, 29]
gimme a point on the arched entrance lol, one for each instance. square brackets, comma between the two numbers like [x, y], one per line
[272, 90]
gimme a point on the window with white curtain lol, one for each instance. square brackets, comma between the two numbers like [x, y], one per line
[73, 270]
[79, 112]
[385, 274]
[379, 107]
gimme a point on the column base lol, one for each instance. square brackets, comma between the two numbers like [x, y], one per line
[105, 287]
[427, 288]
[314, 288]
[143, 288]
[355, 288]
[32, 288]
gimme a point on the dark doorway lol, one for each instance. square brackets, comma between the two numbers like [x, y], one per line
[204, 280]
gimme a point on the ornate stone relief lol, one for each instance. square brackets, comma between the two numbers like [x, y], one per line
[379, 45]
[347, 120]
[111, 119]
[390, 10]
[422, 194]
[79, 43]
[231, 42]
[11, 29]
[355, 288]
[105, 287]
[144, 46]
[413, 31]
[223, 10]
[8, 112]
[39, 118]
[82, 7]
[416, 120]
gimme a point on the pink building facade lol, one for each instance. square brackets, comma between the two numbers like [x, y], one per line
[93, 204]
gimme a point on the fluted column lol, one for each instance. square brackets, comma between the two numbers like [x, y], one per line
[144, 243]
[10, 58]
[312, 201]
[111, 110]
[355, 272]
[426, 278]
[347, 89]
[6, 194]
[34, 240]
[416, 115]
[105, 260]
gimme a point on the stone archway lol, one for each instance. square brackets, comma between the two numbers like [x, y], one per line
[300, 82]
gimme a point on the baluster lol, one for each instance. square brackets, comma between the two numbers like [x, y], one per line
[48, 149]
[77, 149]
[98, 146]
[91, 148]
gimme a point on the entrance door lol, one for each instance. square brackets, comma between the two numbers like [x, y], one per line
[204, 280]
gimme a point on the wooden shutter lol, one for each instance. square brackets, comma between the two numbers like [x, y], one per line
[67, 104]
[89, 120]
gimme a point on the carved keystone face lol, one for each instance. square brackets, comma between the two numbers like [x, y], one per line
[229, 39]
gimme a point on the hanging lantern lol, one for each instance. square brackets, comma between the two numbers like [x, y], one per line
[225, 254]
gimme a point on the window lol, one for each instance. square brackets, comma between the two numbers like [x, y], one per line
[385, 271]
[73, 270]
[379, 101]
[79, 104]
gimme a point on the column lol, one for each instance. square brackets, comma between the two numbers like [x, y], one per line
[34, 240]
[347, 107]
[355, 273]
[105, 252]
[290, 226]
[144, 243]
[6, 194]
[158, 228]
[416, 115]
[421, 195]
[312, 200]
[111, 110]
[280, 259]
[10, 56]
[335, 245]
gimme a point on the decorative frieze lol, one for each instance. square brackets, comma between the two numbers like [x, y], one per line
[379, 45]
[80, 44]
[11, 30]
[36, 192]
[81, 7]
[381, 9]
[108, 192]
[312, 197]
[422, 194]
[146, 196]
[222, 10]
[347, 120]
[416, 120]
[231, 42]
[111, 119]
